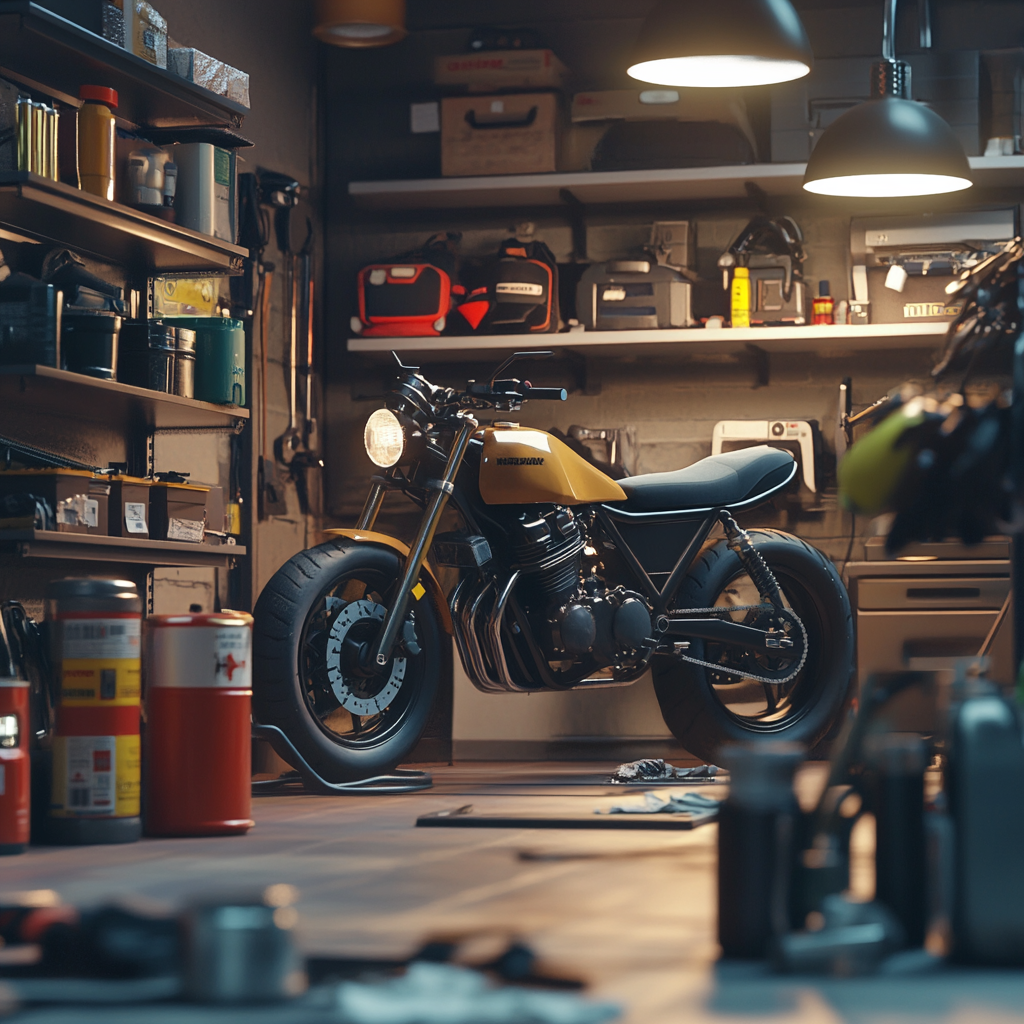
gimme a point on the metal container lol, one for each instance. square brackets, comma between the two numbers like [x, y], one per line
[185, 362]
[89, 342]
[198, 672]
[95, 630]
[220, 358]
[756, 832]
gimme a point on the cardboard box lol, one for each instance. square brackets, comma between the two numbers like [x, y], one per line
[177, 511]
[516, 134]
[78, 499]
[129, 507]
[495, 70]
[210, 73]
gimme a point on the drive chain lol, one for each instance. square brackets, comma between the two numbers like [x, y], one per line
[739, 672]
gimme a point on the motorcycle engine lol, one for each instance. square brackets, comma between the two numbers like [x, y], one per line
[575, 617]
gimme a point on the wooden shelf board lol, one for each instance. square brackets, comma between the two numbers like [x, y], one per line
[821, 339]
[38, 209]
[37, 45]
[79, 397]
[85, 548]
[595, 187]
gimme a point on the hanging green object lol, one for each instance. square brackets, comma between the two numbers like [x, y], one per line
[874, 467]
[220, 358]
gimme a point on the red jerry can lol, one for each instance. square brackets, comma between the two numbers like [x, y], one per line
[197, 679]
[14, 766]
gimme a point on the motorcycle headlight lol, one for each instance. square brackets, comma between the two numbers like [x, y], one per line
[384, 438]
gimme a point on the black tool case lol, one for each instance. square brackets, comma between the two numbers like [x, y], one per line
[625, 295]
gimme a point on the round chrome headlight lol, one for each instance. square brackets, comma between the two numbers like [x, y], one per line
[384, 438]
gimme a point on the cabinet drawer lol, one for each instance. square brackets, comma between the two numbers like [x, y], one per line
[986, 592]
[897, 641]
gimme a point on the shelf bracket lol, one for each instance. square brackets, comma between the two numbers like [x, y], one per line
[762, 366]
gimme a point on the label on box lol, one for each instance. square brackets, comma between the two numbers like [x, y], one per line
[135, 517]
[79, 511]
[424, 118]
[188, 530]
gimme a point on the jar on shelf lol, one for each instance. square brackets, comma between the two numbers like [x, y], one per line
[96, 140]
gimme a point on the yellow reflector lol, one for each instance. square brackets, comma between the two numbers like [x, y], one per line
[418, 591]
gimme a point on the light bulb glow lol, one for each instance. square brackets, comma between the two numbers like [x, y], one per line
[360, 30]
[718, 71]
[384, 438]
[878, 186]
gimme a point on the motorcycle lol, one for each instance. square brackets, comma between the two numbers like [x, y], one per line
[566, 579]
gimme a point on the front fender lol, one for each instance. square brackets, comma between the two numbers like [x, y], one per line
[430, 582]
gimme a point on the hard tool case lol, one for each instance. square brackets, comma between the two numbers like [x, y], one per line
[410, 295]
[624, 295]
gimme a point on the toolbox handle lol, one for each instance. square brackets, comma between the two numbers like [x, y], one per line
[522, 121]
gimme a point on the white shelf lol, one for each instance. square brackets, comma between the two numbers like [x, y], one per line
[820, 339]
[623, 186]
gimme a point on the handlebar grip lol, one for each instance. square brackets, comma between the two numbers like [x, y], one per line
[547, 394]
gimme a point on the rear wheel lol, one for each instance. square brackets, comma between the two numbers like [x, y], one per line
[313, 622]
[704, 708]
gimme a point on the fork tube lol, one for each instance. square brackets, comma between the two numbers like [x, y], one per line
[374, 500]
[395, 615]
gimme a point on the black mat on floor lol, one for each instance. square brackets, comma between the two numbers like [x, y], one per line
[459, 817]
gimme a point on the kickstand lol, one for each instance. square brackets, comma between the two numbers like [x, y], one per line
[398, 781]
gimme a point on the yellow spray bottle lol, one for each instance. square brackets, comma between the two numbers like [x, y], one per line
[739, 297]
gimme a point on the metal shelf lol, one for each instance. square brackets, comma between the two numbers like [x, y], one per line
[121, 406]
[37, 209]
[35, 41]
[821, 339]
[594, 187]
[81, 547]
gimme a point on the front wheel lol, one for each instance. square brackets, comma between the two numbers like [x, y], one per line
[704, 708]
[312, 623]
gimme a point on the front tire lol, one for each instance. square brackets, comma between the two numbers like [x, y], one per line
[705, 709]
[309, 619]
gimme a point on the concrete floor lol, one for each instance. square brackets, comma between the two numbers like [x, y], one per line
[632, 913]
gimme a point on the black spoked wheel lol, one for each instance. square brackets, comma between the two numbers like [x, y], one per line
[705, 708]
[315, 621]
[757, 705]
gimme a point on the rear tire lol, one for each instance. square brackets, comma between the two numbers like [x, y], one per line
[704, 709]
[292, 688]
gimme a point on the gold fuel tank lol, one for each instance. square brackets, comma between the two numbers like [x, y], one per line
[522, 466]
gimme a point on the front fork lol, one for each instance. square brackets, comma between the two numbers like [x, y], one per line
[394, 616]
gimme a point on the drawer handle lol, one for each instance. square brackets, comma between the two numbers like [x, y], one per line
[943, 593]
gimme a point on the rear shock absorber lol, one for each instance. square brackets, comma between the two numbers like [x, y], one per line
[757, 568]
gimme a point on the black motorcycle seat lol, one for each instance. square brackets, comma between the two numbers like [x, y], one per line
[731, 478]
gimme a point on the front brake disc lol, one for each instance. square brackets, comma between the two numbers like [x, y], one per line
[353, 694]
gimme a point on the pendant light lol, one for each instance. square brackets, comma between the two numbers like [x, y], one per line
[360, 23]
[721, 44]
[890, 145]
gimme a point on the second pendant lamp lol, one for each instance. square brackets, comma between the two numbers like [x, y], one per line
[721, 44]
[890, 145]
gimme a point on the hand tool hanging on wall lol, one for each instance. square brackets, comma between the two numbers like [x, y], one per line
[271, 498]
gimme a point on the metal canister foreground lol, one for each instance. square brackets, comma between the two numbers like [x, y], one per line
[198, 673]
[95, 630]
[14, 765]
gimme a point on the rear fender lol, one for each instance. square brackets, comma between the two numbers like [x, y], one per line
[430, 582]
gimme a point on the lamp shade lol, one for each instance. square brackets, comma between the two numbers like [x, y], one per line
[721, 43]
[888, 147]
[360, 23]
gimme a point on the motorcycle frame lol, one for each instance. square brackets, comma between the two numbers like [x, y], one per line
[478, 645]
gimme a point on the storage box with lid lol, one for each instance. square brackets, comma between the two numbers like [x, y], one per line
[511, 134]
[177, 511]
[129, 506]
[78, 498]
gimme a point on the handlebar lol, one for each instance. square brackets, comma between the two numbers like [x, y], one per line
[545, 394]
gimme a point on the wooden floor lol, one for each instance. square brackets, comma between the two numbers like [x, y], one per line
[631, 912]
